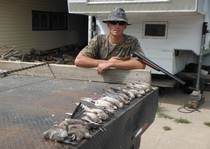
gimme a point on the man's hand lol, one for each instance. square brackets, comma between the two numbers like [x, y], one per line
[103, 67]
[107, 65]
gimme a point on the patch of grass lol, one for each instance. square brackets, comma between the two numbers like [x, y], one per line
[182, 120]
[161, 109]
[207, 124]
[167, 128]
[163, 115]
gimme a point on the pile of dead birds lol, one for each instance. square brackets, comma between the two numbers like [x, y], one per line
[90, 115]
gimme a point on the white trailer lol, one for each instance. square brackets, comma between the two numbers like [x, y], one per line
[169, 31]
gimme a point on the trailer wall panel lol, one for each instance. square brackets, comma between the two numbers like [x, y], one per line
[105, 6]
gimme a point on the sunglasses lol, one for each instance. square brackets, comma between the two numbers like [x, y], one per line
[117, 22]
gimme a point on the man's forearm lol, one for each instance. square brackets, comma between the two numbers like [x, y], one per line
[129, 64]
[84, 61]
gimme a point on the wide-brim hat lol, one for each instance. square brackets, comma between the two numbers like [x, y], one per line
[117, 14]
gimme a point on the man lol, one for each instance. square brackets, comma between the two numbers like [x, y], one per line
[113, 50]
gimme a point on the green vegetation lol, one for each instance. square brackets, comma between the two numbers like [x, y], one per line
[160, 109]
[207, 124]
[181, 120]
[167, 128]
[161, 113]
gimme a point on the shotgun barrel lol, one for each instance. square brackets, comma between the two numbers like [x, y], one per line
[158, 68]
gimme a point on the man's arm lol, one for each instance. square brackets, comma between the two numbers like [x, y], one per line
[127, 64]
[103, 65]
[85, 61]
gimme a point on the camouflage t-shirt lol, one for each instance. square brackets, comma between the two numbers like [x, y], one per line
[100, 48]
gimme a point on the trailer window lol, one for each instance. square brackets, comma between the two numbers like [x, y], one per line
[155, 29]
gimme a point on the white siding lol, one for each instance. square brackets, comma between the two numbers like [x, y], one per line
[16, 25]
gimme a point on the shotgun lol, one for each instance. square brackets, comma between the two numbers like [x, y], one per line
[157, 67]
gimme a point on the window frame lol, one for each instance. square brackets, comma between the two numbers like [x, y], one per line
[155, 23]
[44, 21]
[121, 1]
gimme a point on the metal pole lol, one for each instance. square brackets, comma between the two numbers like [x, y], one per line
[197, 86]
[196, 97]
[90, 20]
[204, 31]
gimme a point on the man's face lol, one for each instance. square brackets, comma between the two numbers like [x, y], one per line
[116, 28]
